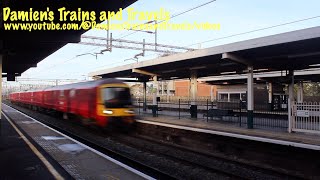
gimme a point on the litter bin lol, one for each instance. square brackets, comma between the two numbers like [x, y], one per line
[154, 110]
[194, 111]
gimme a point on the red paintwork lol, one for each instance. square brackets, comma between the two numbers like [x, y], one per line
[79, 99]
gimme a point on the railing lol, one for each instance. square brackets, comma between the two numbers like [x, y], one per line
[306, 117]
[264, 116]
[174, 99]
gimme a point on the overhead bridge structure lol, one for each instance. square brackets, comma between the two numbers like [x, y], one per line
[286, 52]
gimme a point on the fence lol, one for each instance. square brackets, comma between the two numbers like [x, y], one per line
[306, 117]
[264, 116]
[174, 99]
[179, 108]
[233, 113]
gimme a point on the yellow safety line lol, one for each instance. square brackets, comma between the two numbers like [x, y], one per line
[51, 169]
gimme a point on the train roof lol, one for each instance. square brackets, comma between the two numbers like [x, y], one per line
[86, 84]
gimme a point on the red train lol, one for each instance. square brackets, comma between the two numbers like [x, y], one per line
[104, 102]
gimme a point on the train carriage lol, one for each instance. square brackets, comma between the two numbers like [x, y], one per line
[102, 102]
[38, 98]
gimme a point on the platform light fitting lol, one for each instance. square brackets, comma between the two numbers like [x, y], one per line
[312, 65]
[257, 70]
[199, 67]
[127, 79]
[169, 71]
[231, 72]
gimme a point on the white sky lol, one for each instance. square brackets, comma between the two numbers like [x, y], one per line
[234, 16]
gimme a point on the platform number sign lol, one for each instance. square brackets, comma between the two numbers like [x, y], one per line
[303, 113]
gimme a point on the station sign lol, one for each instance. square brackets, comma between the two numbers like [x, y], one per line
[303, 113]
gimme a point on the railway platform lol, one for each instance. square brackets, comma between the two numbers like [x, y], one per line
[301, 140]
[19, 160]
[32, 150]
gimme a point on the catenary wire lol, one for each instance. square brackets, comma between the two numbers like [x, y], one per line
[176, 15]
[256, 30]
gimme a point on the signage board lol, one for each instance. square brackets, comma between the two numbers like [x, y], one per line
[303, 113]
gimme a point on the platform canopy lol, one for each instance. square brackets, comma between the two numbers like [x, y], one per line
[21, 50]
[287, 51]
[280, 77]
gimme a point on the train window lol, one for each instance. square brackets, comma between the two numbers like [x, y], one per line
[72, 93]
[116, 97]
[62, 93]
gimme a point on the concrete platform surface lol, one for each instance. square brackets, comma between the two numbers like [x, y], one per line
[79, 160]
[303, 140]
[17, 160]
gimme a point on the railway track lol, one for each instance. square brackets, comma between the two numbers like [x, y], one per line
[87, 141]
[210, 163]
[159, 159]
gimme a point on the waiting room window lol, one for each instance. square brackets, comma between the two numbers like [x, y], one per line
[223, 97]
[234, 97]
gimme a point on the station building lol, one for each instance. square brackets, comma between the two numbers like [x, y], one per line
[264, 93]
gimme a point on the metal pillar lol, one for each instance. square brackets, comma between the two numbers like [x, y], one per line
[162, 88]
[154, 98]
[270, 92]
[250, 97]
[300, 92]
[291, 92]
[167, 91]
[290, 100]
[211, 93]
[154, 91]
[193, 93]
[1, 87]
[1, 94]
[144, 96]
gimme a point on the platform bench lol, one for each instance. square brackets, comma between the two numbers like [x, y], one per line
[219, 113]
[150, 107]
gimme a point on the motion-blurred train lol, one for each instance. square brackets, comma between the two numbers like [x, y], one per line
[105, 102]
